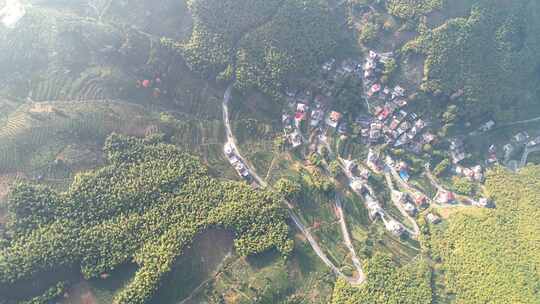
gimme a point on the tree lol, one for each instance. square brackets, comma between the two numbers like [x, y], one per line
[335, 168]
[288, 188]
[442, 168]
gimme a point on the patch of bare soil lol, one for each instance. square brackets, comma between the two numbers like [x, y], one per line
[41, 107]
[413, 71]
[80, 293]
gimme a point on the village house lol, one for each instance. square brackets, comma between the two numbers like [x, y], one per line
[298, 118]
[487, 126]
[342, 129]
[357, 185]
[242, 170]
[457, 150]
[521, 137]
[385, 57]
[402, 140]
[394, 123]
[403, 199]
[403, 170]
[363, 120]
[421, 201]
[445, 197]
[508, 151]
[403, 127]
[492, 155]
[316, 117]
[348, 66]
[433, 219]
[295, 139]
[399, 197]
[375, 133]
[414, 147]
[333, 119]
[291, 93]
[228, 149]
[398, 92]
[383, 115]
[384, 94]
[374, 89]
[473, 174]
[373, 207]
[400, 103]
[428, 138]
[302, 107]
[534, 142]
[484, 203]
[374, 160]
[394, 227]
[329, 65]
[410, 208]
[286, 119]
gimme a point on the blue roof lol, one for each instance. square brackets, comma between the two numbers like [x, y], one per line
[404, 174]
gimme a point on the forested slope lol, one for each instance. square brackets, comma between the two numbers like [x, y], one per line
[300, 36]
[494, 256]
[268, 40]
[491, 56]
[388, 284]
[145, 206]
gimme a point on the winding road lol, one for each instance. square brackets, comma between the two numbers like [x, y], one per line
[347, 239]
[231, 141]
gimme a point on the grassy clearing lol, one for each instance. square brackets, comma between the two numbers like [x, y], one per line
[269, 279]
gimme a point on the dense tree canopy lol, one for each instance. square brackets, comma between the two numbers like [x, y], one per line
[300, 36]
[145, 206]
[407, 9]
[493, 256]
[218, 25]
[267, 41]
[491, 55]
[387, 284]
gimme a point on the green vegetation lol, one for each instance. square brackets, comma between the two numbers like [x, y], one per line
[290, 189]
[492, 256]
[387, 284]
[145, 206]
[491, 56]
[218, 25]
[463, 186]
[267, 43]
[301, 35]
[410, 9]
[36, 134]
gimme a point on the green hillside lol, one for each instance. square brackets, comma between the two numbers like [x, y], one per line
[493, 256]
[145, 206]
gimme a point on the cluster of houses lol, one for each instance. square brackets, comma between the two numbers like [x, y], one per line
[522, 141]
[358, 183]
[311, 109]
[404, 200]
[390, 122]
[473, 174]
[236, 162]
[457, 150]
